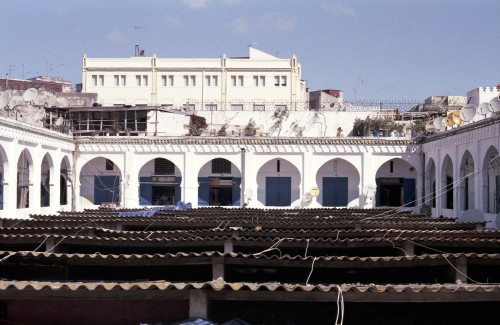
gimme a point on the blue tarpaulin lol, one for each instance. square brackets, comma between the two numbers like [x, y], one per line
[180, 206]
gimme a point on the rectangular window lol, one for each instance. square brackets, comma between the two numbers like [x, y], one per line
[119, 80]
[233, 81]
[167, 81]
[190, 81]
[259, 81]
[101, 80]
[109, 164]
[277, 81]
[94, 80]
[240, 81]
[164, 81]
[138, 81]
[236, 107]
[170, 81]
[164, 167]
[283, 80]
[215, 81]
[280, 108]
[145, 81]
[237, 81]
[210, 107]
[259, 107]
[208, 81]
[124, 80]
[221, 166]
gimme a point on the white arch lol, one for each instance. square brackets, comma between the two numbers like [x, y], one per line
[396, 183]
[25, 170]
[445, 186]
[100, 176]
[339, 167]
[490, 175]
[47, 177]
[286, 169]
[467, 179]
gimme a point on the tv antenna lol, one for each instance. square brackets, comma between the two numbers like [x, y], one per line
[40, 114]
[59, 121]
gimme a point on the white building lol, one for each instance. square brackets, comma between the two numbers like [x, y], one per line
[257, 82]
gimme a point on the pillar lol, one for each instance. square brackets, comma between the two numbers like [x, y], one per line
[198, 303]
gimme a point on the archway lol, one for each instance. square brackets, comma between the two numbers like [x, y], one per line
[64, 179]
[446, 187]
[466, 188]
[338, 181]
[100, 182]
[219, 183]
[159, 183]
[24, 170]
[47, 169]
[491, 181]
[396, 184]
[430, 184]
[278, 183]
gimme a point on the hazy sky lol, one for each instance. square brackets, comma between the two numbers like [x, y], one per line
[370, 49]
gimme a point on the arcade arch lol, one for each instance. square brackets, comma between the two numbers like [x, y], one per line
[491, 181]
[338, 181]
[278, 183]
[64, 179]
[159, 183]
[446, 187]
[24, 170]
[3, 172]
[47, 171]
[100, 182]
[219, 183]
[430, 184]
[467, 177]
[396, 184]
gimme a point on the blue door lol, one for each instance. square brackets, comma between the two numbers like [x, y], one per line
[409, 192]
[278, 191]
[497, 195]
[203, 191]
[335, 190]
[106, 189]
[145, 191]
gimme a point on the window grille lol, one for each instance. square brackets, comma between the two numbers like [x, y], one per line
[221, 166]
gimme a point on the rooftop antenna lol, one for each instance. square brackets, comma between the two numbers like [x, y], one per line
[59, 121]
[40, 114]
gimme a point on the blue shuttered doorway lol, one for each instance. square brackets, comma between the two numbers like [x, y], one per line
[106, 189]
[278, 191]
[145, 191]
[409, 192]
[335, 190]
[203, 191]
[236, 191]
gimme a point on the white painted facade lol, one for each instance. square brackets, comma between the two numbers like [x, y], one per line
[257, 82]
[34, 153]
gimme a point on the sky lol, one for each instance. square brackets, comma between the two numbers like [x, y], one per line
[372, 50]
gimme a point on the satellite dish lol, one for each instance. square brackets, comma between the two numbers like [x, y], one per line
[369, 191]
[60, 121]
[30, 94]
[456, 118]
[307, 198]
[468, 112]
[4, 99]
[495, 105]
[61, 102]
[50, 100]
[40, 114]
[483, 108]
[429, 127]
[438, 123]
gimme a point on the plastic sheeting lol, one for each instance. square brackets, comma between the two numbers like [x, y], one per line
[180, 206]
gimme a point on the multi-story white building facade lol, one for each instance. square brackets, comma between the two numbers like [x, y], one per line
[257, 82]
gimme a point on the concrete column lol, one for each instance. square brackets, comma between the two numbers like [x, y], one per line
[461, 269]
[217, 269]
[50, 245]
[409, 248]
[190, 179]
[228, 246]
[34, 181]
[198, 303]
[250, 177]
[368, 176]
[308, 176]
[55, 187]
[130, 181]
